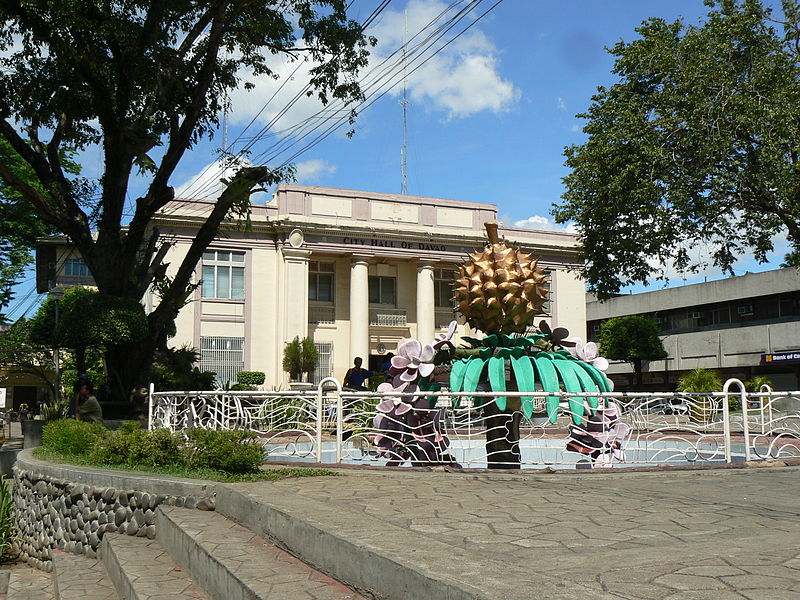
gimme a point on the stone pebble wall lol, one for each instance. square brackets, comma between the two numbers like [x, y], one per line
[54, 513]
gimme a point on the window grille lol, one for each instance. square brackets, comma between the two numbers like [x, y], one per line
[223, 274]
[325, 365]
[223, 356]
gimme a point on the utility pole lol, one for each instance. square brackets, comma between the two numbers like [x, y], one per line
[404, 104]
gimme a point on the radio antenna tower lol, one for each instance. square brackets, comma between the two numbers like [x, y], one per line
[404, 104]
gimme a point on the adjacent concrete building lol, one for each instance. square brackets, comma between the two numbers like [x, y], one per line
[742, 326]
[356, 271]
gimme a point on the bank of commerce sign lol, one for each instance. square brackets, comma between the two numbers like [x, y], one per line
[780, 357]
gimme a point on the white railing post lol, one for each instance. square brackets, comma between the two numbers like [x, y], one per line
[745, 423]
[320, 409]
[150, 406]
[339, 426]
[765, 388]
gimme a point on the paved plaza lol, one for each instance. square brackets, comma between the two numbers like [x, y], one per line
[686, 535]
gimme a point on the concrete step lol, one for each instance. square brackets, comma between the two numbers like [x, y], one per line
[141, 569]
[5, 574]
[27, 583]
[81, 578]
[232, 563]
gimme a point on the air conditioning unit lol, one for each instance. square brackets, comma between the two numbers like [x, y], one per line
[746, 309]
[696, 315]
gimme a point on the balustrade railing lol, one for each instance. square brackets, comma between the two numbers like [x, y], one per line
[388, 317]
[558, 430]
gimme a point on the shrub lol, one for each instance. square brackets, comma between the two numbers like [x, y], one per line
[251, 378]
[132, 446]
[231, 451]
[68, 436]
[6, 522]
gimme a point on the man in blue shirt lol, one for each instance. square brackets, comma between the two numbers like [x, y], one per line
[355, 376]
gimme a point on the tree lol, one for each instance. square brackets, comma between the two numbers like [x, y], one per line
[632, 339]
[791, 259]
[146, 81]
[299, 357]
[696, 144]
[19, 224]
[87, 320]
[19, 353]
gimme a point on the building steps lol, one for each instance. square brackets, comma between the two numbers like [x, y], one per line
[231, 562]
[27, 583]
[81, 578]
[141, 569]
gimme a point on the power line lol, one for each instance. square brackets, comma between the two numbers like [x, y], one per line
[377, 83]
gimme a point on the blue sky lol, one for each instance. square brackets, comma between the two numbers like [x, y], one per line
[488, 117]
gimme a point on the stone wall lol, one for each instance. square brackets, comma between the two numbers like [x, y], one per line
[72, 508]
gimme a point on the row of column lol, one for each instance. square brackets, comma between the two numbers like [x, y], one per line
[296, 310]
[359, 306]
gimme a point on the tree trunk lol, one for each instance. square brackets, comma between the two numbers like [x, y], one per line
[502, 432]
[80, 360]
[637, 368]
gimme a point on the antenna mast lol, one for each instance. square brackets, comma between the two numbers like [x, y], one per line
[404, 104]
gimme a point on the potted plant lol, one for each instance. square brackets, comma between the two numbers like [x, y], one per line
[300, 357]
[32, 428]
[700, 381]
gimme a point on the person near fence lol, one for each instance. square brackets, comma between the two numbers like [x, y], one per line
[356, 376]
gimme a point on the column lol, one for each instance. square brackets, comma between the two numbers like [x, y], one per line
[359, 310]
[295, 291]
[426, 318]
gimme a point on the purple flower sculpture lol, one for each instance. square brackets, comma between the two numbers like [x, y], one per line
[412, 361]
[601, 438]
[393, 405]
[557, 337]
[588, 353]
[444, 338]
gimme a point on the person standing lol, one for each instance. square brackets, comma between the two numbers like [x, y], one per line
[356, 376]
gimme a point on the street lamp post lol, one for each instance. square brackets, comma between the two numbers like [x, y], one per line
[57, 294]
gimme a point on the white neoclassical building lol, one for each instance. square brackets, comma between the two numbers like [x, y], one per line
[356, 271]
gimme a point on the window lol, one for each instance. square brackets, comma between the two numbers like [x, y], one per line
[382, 290]
[223, 274]
[320, 281]
[443, 280]
[223, 356]
[325, 365]
[76, 267]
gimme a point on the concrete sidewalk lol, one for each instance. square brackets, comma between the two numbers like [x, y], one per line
[712, 534]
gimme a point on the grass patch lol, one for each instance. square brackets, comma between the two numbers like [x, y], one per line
[272, 474]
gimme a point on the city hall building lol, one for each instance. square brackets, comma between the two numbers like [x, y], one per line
[358, 272]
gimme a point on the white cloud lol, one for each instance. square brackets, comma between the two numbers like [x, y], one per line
[462, 79]
[545, 224]
[561, 104]
[311, 170]
[576, 127]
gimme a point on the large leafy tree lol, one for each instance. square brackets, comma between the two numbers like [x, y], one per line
[21, 354]
[633, 339]
[88, 320]
[697, 144]
[146, 81]
[20, 226]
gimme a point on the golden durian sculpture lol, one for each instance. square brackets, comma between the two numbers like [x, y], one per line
[500, 289]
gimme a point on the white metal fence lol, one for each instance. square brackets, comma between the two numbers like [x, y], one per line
[584, 430]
